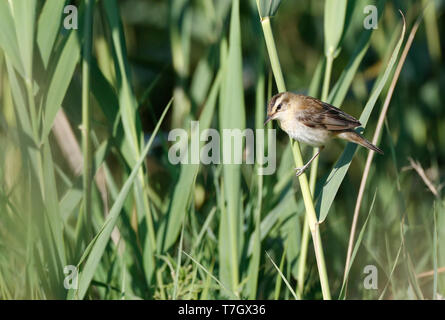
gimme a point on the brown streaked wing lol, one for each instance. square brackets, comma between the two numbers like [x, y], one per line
[318, 114]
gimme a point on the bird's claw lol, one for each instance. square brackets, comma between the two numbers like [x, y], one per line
[299, 171]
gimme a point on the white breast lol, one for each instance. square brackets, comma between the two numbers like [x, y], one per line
[311, 136]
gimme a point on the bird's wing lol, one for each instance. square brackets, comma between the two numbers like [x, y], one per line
[317, 114]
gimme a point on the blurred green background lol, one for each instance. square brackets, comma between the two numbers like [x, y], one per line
[208, 231]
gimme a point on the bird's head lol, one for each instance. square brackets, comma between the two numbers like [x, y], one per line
[279, 107]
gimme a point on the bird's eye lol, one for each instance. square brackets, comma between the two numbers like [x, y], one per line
[278, 107]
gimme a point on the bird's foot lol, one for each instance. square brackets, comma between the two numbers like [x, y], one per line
[300, 171]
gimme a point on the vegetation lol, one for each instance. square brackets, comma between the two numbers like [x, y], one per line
[85, 176]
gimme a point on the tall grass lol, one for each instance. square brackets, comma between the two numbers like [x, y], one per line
[139, 227]
[305, 189]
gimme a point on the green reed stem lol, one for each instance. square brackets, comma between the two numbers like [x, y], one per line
[86, 108]
[327, 77]
[304, 184]
[312, 181]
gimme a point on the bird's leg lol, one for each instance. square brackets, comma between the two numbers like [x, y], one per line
[303, 168]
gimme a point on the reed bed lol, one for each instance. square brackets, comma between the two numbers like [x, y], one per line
[86, 182]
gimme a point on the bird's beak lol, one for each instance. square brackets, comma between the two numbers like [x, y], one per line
[268, 118]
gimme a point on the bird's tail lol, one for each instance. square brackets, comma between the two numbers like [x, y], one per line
[355, 137]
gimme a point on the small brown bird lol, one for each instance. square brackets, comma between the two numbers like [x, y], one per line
[313, 122]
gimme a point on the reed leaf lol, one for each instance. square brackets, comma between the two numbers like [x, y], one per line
[8, 39]
[97, 246]
[48, 27]
[330, 188]
[267, 8]
[232, 116]
[334, 21]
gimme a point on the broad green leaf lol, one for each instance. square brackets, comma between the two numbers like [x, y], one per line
[48, 27]
[27, 144]
[60, 80]
[232, 116]
[334, 21]
[109, 103]
[340, 89]
[127, 100]
[24, 12]
[330, 188]
[8, 39]
[268, 8]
